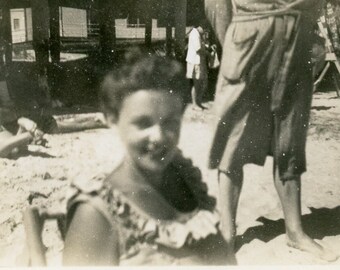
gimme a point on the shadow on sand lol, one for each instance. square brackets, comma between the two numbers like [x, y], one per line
[322, 108]
[33, 154]
[318, 224]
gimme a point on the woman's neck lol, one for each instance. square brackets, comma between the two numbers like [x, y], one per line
[135, 173]
[144, 190]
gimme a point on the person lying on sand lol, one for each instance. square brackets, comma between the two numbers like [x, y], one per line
[12, 142]
[16, 133]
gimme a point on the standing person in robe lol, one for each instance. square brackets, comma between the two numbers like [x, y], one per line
[263, 99]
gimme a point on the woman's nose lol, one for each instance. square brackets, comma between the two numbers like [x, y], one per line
[156, 134]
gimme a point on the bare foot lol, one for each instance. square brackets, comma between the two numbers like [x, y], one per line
[228, 251]
[202, 107]
[199, 108]
[305, 243]
[231, 259]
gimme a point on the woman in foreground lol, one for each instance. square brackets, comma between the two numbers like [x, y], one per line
[153, 209]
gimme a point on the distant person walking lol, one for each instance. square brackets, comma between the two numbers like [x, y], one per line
[197, 68]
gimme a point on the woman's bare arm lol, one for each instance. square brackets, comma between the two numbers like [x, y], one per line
[90, 239]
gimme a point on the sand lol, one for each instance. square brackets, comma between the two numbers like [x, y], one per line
[45, 173]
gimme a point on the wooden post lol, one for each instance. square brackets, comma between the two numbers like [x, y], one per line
[55, 70]
[168, 39]
[168, 28]
[6, 32]
[148, 31]
[107, 30]
[54, 31]
[41, 26]
[180, 10]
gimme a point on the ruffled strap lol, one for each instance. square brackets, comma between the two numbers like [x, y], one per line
[186, 230]
[88, 190]
[198, 227]
[96, 192]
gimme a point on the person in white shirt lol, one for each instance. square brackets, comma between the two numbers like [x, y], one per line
[197, 68]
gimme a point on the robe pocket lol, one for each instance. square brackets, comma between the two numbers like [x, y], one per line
[238, 50]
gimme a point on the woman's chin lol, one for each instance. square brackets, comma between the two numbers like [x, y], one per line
[154, 166]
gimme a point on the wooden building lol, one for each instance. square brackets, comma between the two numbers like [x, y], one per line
[35, 61]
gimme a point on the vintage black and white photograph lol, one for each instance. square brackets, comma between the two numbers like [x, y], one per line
[170, 132]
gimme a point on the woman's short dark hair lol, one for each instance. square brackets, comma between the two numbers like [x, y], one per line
[142, 71]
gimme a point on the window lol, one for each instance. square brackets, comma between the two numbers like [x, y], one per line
[73, 22]
[135, 22]
[16, 24]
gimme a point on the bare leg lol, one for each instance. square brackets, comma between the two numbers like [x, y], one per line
[14, 142]
[290, 196]
[194, 93]
[197, 91]
[230, 186]
[74, 126]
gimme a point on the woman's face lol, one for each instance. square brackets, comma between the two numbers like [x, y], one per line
[149, 125]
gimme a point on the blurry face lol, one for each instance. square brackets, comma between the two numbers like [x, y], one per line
[149, 125]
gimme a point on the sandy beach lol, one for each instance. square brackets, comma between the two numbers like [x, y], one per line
[44, 173]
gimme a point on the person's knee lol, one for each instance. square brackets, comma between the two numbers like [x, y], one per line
[235, 174]
[285, 176]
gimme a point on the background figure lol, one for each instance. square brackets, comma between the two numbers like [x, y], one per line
[263, 99]
[15, 133]
[197, 68]
[332, 12]
[219, 14]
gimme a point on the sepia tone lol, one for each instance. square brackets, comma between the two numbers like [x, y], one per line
[53, 57]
